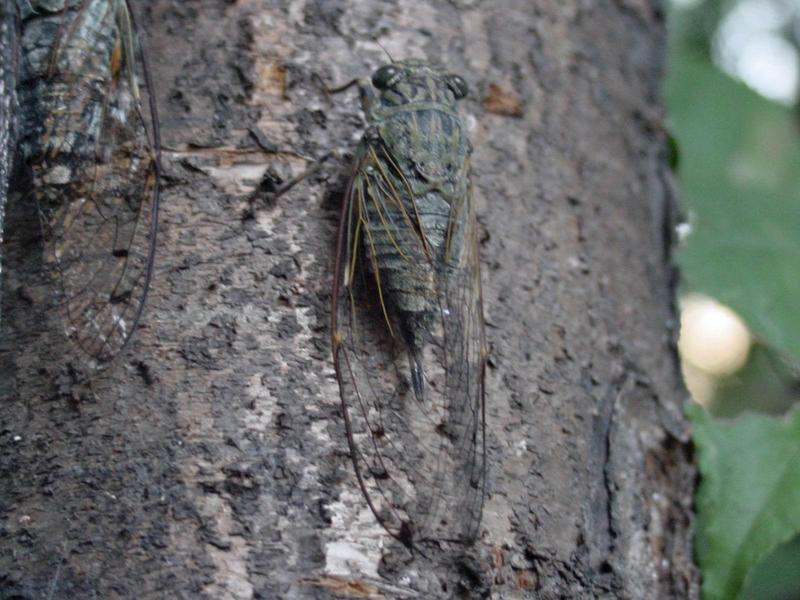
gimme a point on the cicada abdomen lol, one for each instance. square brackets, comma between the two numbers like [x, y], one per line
[408, 334]
[94, 163]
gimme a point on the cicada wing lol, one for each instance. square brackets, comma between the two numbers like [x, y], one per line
[419, 459]
[464, 349]
[365, 356]
[99, 178]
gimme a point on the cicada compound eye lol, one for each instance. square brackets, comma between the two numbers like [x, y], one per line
[383, 77]
[458, 86]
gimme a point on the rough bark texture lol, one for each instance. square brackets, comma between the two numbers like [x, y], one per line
[211, 462]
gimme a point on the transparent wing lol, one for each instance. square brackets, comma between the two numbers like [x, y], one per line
[465, 358]
[419, 458]
[97, 180]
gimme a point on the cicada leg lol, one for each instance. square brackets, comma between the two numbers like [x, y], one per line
[309, 172]
[365, 92]
[264, 196]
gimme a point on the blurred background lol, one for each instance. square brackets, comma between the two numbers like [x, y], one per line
[732, 100]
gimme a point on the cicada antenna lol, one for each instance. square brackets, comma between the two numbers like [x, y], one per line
[382, 47]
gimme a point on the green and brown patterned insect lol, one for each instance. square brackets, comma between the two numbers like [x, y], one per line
[407, 317]
[92, 145]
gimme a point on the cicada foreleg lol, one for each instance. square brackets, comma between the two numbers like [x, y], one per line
[365, 92]
[315, 167]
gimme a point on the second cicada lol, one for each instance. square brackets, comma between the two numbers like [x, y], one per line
[408, 331]
[90, 140]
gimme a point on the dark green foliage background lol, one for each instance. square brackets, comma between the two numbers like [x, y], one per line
[739, 170]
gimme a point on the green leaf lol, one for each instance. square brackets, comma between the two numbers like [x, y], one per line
[777, 577]
[740, 180]
[748, 500]
[766, 384]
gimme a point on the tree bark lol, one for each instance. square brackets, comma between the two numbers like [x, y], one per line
[211, 460]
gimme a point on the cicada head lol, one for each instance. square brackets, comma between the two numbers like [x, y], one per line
[417, 82]
[418, 125]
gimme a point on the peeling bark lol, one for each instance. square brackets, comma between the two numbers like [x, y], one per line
[211, 460]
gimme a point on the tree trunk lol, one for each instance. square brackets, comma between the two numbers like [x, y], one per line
[211, 461]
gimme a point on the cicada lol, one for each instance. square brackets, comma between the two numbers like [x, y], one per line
[93, 150]
[407, 318]
[9, 46]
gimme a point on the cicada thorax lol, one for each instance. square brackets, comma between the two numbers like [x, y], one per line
[92, 173]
